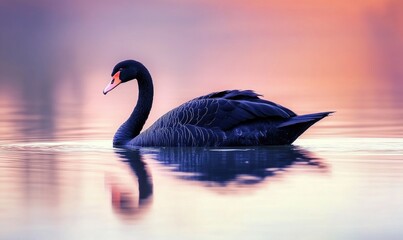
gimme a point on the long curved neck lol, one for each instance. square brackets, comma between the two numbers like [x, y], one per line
[133, 125]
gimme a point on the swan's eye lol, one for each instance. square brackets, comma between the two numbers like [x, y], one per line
[120, 69]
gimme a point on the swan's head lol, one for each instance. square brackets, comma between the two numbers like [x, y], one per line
[123, 72]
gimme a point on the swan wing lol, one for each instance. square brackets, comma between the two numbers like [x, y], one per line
[224, 110]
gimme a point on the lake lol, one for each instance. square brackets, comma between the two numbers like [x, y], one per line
[60, 177]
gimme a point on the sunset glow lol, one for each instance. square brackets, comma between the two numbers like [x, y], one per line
[60, 175]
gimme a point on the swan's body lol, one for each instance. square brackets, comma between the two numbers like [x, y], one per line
[227, 118]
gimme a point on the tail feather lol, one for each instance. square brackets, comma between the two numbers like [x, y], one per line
[297, 125]
[313, 117]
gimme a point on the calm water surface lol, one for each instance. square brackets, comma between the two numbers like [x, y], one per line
[69, 183]
[60, 178]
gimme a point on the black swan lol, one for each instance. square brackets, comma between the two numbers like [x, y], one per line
[219, 119]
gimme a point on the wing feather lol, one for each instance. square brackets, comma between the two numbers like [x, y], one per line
[223, 110]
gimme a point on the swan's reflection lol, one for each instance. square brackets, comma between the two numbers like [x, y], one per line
[240, 166]
[217, 166]
[128, 202]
